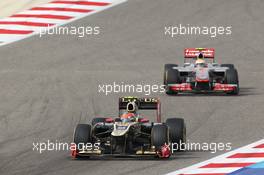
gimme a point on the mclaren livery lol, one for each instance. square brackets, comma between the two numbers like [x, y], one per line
[129, 134]
[200, 73]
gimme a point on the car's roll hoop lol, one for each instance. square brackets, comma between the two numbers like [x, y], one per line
[143, 103]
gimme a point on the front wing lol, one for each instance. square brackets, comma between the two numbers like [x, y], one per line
[163, 152]
[186, 87]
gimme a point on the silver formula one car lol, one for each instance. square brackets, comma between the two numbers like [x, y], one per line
[130, 134]
[201, 74]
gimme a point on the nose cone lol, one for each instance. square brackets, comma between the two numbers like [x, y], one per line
[120, 129]
[202, 74]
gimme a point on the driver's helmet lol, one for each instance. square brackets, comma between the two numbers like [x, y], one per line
[200, 56]
[128, 117]
[200, 63]
[130, 113]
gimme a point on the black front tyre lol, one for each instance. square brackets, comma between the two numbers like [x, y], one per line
[82, 135]
[232, 78]
[177, 130]
[166, 68]
[171, 77]
[159, 135]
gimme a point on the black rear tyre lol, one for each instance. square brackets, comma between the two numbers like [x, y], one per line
[177, 130]
[159, 135]
[232, 78]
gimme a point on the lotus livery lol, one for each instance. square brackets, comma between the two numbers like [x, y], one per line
[130, 133]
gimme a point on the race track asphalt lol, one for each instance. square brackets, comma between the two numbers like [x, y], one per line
[49, 84]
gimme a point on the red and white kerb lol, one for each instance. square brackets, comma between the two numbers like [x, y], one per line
[55, 13]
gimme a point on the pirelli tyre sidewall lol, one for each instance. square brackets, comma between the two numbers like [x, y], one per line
[177, 131]
[159, 135]
[82, 134]
[231, 77]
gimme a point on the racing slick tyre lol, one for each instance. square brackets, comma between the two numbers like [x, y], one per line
[98, 120]
[177, 132]
[82, 135]
[171, 77]
[159, 135]
[232, 78]
[230, 66]
[166, 68]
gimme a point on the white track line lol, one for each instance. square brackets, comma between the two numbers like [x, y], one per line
[90, 7]
[54, 21]
[39, 12]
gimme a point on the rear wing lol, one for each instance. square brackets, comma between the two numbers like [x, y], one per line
[194, 52]
[144, 103]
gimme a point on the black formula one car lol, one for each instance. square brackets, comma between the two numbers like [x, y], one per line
[132, 135]
[200, 74]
